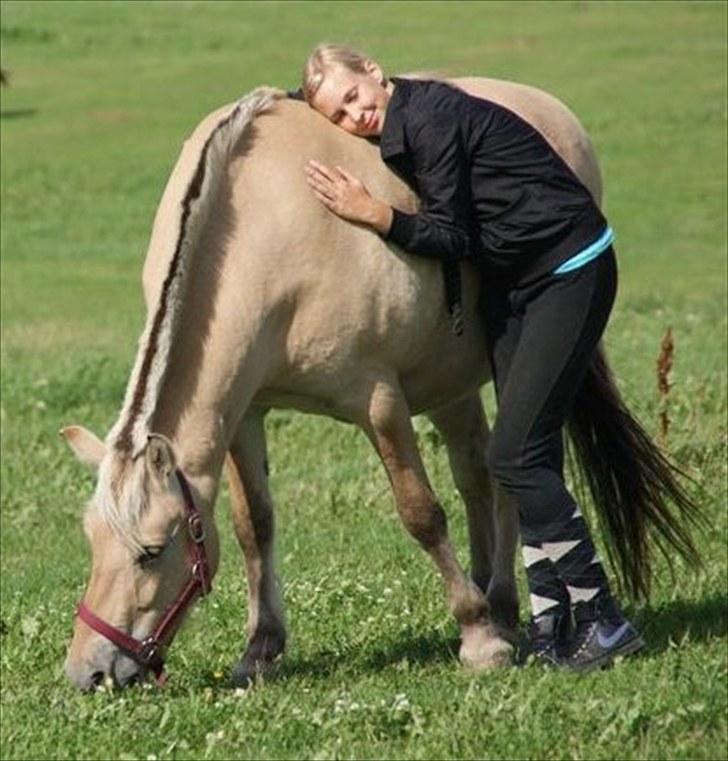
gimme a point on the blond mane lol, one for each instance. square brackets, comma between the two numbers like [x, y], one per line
[120, 488]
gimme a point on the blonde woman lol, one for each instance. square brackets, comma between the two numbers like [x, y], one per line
[493, 190]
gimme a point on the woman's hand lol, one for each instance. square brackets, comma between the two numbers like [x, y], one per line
[347, 196]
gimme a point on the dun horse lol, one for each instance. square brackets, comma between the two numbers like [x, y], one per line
[259, 298]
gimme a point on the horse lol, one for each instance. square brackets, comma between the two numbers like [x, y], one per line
[259, 298]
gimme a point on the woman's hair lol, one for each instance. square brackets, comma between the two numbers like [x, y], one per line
[322, 58]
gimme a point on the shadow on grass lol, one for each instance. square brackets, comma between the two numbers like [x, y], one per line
[696, 620]
[415, 648]
[410, 647]
[17, 113]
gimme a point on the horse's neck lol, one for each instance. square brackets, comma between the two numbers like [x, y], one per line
[182, 280]
[212, 370]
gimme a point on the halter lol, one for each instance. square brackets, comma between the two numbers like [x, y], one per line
[149, 652]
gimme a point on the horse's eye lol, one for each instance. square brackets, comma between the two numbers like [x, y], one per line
[150, 554]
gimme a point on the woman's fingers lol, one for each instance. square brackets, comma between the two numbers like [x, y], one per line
[337, 189]
[324, 191]
[323, 179]
[323, 187]
[327, 184]
[337, 174]
[346, 175]
[325, 200]
[317, 168]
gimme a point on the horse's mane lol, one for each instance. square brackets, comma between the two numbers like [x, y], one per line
[129, 434]
[120, 488]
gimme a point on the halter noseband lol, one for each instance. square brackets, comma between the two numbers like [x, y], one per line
[149, 652]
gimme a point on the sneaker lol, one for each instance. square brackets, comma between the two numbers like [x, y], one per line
[548, 638]
[601, 634]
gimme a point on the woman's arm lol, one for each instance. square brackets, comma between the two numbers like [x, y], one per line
[442, 172]
[440, 229]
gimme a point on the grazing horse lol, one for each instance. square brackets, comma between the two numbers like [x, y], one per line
[259, 298]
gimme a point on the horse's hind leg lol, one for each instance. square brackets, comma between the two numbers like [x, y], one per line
[492, 516]
[389, 426]
[252, 511]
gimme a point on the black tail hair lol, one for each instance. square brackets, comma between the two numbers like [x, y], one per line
[630, 480]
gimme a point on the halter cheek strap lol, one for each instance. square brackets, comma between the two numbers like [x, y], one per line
[150, 651]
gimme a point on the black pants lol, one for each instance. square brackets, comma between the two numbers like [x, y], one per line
[541, 339]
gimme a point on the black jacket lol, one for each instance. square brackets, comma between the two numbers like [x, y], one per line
[491, 187]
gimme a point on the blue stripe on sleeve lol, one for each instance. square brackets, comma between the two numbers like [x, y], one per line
[584, 256]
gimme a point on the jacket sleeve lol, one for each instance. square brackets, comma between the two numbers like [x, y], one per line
[440, 230]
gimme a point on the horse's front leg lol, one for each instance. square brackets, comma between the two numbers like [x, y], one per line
[389, 427]
[492, 515]
[252, 511]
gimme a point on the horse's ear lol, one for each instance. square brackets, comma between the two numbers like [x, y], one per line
[160, 458]
[87, 447]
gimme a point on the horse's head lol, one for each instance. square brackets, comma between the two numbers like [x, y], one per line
[152, 554]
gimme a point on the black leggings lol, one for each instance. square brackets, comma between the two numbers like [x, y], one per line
[541, 339]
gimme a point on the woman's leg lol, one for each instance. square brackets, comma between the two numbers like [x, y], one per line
[503, 320]
[561, 321]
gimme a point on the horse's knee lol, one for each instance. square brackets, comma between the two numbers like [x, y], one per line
[425, 520]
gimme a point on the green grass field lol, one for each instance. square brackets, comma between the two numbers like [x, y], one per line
[101, 97]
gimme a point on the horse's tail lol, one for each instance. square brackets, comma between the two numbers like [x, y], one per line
[631, 482]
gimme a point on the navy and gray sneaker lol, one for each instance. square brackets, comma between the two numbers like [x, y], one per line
[601, 634]
[548, 638]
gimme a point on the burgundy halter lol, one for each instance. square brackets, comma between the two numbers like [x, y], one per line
[149, 652]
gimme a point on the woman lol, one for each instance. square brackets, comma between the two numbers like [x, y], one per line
[492, 189]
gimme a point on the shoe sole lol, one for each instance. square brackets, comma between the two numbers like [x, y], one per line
[630, 647]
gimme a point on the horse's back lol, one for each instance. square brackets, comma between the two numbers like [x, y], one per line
[554, 120]
[360, 301]
[355, 304]
[338, 303]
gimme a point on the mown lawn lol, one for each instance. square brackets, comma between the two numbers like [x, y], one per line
[101, 97]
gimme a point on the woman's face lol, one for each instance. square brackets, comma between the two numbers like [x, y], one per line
[354, 101]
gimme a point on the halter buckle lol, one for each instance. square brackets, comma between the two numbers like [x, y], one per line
[150, 653]
[196, 529]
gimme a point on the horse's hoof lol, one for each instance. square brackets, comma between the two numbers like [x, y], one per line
[249, 670]
[483, 649]
[244, 676]
[495, 658]
[260, 660]
[241, 677]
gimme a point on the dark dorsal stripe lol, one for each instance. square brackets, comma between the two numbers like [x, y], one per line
[124, 441]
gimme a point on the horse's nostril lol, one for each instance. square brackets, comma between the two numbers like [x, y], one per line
[97, 678]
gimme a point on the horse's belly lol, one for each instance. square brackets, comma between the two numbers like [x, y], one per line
[334, 356]
[456, 366]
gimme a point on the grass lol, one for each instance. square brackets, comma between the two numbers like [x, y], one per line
[102, 95]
